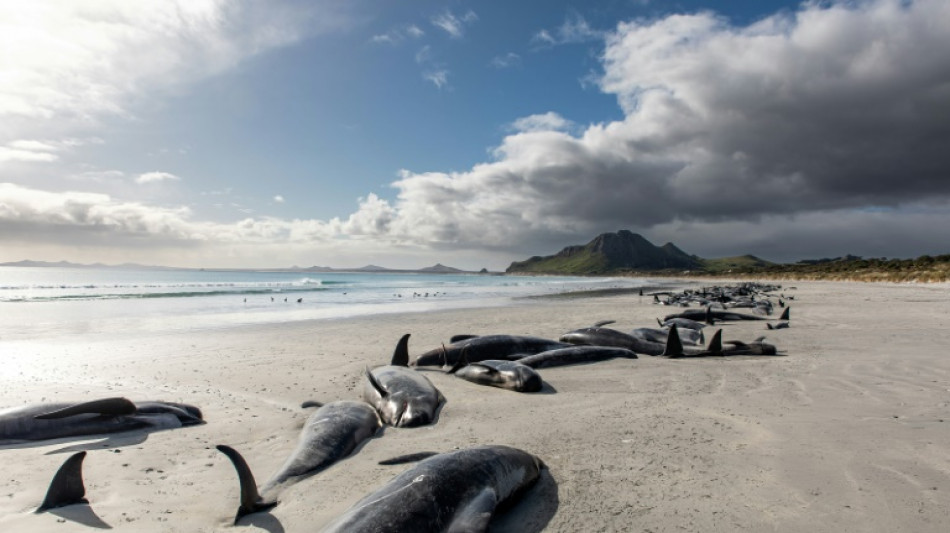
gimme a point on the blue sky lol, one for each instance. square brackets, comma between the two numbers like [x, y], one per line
[472, 133]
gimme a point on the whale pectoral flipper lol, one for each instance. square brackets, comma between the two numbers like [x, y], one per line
[462, 361]
[408, 458]
[375, 383]
[603, 323]
[67, 487]
[106, 406]
[476, 514]
[251, 500]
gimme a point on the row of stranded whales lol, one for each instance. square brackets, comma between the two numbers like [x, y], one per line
[402, 396]
[710, 315]
[330, 434]
[48, 421]
[456, 491]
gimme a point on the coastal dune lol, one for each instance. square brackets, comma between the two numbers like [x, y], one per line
[847, 432]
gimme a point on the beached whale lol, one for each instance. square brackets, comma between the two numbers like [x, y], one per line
[509, 375]
[456, 491]
[108, 415]
[329, 435]
[601, 336]
[402, 396]
[574, 355]
[690, 336]
[479, 348]
[710, 315]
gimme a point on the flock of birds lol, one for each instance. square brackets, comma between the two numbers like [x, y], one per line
[454, 491]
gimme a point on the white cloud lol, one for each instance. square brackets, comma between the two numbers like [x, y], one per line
[279, 199]
[452, 24]
[398, 35]
[549, 121]
[575, 29]
[155, 177]
[508, 60]
[76, 61]
[755, 135]
[439, 78]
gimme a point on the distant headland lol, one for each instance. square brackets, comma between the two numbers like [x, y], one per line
[625, 253]
[437, 268]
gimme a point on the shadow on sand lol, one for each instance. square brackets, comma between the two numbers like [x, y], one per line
[81, 514]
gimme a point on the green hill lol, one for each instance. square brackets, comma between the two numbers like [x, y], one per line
[738, 263]
[623, 251]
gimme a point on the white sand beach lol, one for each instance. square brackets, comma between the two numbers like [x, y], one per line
[850, 431]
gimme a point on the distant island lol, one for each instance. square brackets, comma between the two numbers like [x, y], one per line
[625, 253]
[437, 268]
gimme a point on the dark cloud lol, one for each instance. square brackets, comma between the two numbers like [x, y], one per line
[831, 108]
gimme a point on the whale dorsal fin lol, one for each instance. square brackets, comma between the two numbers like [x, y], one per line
[709, 315]
[105, 406]
[460, 338]
[603, 323]
[251, 500]
[715, 343]
[401, 354]
[66, 487]
[785, 313]
[674, 346]
[375, 383]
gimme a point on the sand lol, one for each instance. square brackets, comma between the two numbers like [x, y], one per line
[848, 432]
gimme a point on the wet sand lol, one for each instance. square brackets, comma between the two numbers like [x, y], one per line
[850, 431]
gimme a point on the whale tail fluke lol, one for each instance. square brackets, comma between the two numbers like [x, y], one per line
[251, 500]
[674, 346]
[401, 354]
[67, 487]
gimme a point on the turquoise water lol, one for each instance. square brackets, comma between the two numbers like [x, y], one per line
[52, 302]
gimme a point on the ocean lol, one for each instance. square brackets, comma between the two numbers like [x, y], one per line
[46, 303]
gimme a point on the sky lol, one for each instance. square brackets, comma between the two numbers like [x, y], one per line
[213, 133]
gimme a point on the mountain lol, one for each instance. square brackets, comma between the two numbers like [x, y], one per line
[439, 268]
[610, 253]
[737, 263]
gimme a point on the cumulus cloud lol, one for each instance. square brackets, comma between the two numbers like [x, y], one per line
[802, 131]
[829, 108]
[80, 60]
[155, 177]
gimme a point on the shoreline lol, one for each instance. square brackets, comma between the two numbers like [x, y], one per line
[845, 432]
